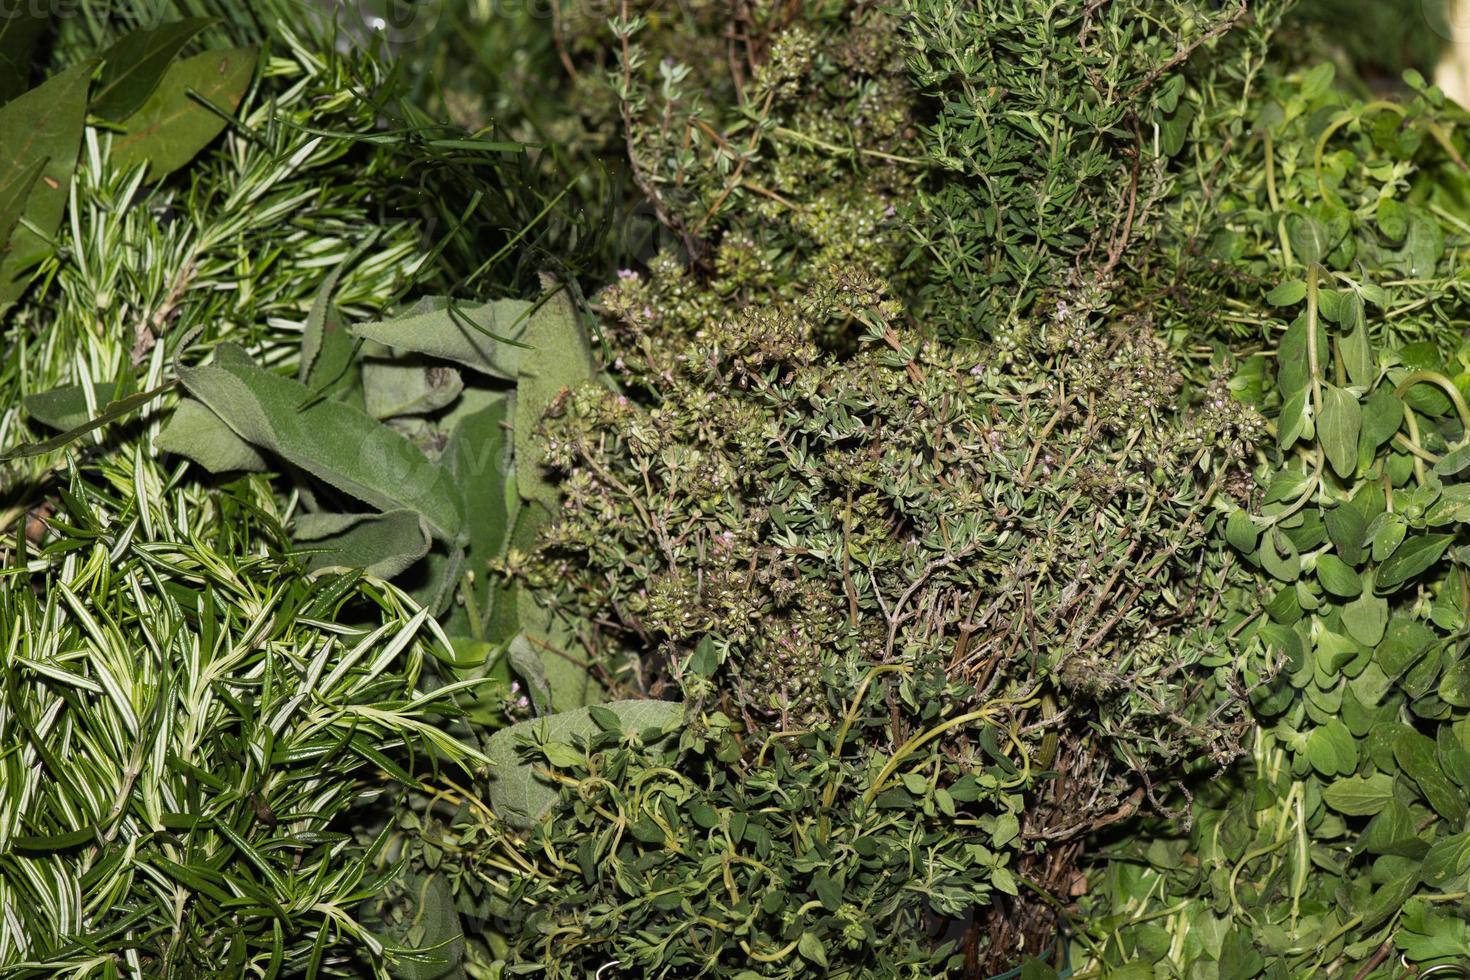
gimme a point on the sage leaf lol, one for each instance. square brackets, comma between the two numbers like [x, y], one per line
[135, 64]
[515, 610]
[559, 358]
[518, 795]
[66, 407]
[172, 125]
[336, 443]
[392, 389]
[481, 338]
[382, 545]
[320, 322]
[568, 681]
[526, 662]
[478, 457]
[196, 433]
[434, 579]
[110, 412]
[428, 936]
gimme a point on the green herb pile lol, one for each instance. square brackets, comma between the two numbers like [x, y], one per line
[732, 489]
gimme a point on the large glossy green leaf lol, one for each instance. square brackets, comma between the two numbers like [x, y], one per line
[520, 796]
[135, 64]
[334, 442]
[43, 126]
[14, 192]
[21, 25]
[173, 125]
[483, 338]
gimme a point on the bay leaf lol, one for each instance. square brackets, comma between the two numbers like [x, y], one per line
[172, 125]
[134, 65]
[42, 126]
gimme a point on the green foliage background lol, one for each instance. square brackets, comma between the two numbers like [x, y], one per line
[733, 489]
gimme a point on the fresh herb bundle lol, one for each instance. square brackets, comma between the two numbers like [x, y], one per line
[1335, 847]
[193, 731]
[209, 723]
